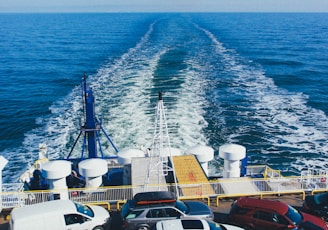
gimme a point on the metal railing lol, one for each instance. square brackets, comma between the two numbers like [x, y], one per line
[221, 188]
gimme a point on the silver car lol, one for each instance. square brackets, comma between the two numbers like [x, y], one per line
[183, 224]
[145, 216]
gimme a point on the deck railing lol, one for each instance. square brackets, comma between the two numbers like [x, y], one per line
[222, 188]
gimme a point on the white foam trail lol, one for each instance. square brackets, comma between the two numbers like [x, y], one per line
[121, 97]
[122, 91]
[185, 118]
[285, 117]
[130, 118]
[62, 126]
[284, 114]
[129, 83]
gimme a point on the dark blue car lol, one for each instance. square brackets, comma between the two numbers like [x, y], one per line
[317, 204]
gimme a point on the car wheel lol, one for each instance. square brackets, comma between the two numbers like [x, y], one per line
[143, 228]
[98, 228]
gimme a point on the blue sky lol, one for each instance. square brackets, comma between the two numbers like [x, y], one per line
[163, 5]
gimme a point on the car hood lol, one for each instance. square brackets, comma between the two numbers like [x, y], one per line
[313, 219]
[198, 208]
[100, 212]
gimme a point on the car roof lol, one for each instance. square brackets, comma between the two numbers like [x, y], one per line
[323, 196]
[152, 205]
[132, 204]
[182, 224]
[277, 206]
[155, 196]
[62, 206]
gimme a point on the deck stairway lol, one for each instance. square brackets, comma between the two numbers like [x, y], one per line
[191, 177]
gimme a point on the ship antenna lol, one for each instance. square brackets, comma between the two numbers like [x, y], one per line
[160, 146]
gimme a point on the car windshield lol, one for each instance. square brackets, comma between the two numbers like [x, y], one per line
[192, 224]
[182, 206]
[321, 199]
[134, 214]
[215, 226]
[126, 207]
[84, 209]
[294, 215]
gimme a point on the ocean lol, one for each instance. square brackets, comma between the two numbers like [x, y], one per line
[254, 79]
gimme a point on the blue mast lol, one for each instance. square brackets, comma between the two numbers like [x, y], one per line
[91, 127]
[90, 124]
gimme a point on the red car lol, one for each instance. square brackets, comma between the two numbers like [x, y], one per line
[252, 213]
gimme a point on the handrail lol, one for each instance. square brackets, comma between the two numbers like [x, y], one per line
[261, 195]
[233, 195]
[319, 191]
[100, 204]
[222, 188]
[119, 203]
[197, 198]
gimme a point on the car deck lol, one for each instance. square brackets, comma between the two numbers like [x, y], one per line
[220, 212]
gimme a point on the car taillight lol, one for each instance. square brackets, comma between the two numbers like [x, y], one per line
[292, 227]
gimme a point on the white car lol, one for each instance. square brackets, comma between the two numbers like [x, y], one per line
[59, 214]
[194, 224]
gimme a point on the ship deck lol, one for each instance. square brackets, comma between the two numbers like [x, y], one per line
[192, 184]
[220, 212]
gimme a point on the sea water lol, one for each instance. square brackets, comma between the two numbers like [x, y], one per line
[254, 79]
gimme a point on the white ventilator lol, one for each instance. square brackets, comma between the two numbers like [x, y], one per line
[232, 155]
[93, 169]
[56, 173]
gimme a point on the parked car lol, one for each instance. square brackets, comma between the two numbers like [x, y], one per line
[252, 213]
[195, 224]
[317, 204]
[145, 209]
[59, 214]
